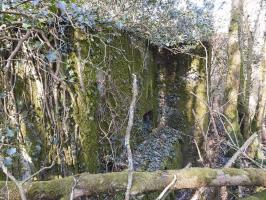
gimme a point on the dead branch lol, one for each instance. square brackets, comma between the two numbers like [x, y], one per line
[13, 54]
[241, 150]
[231, 161]
[165, 191]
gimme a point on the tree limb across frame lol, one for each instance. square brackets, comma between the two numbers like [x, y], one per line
[92, 184]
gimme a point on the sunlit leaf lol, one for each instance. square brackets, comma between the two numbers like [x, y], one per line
[35, 2]
[26, 26]
[51, 56]
[61, 5]
[38, 147]
[11, 151]
[2, 95]
[7, 161]
[9, 132]
[4, 6]
[119, 25]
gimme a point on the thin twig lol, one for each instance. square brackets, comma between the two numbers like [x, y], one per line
[73, 189]
[168, 187]
[198, 150]
[13, 54]
[127, 137]
[206, 71]
[39, 171]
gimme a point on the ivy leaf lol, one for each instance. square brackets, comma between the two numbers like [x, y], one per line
[51, 56]
[2, 95]
[4, 6]
[9, 133]
[38, 147]
[55, 140]
[26, 26]
[7, 161]
[119, 25]
[62, 6]
[109, 40]
[11, 151]
[75, 7]
[43, 13]
[35, 2]
[72, 80]
[71, 72]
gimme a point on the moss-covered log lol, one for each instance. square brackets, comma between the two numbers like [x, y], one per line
[91, 184]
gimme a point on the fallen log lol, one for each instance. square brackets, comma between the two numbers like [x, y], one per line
[91, 184]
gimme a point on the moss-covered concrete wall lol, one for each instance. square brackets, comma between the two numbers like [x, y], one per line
[185, 96]
[109, 62]
[73, 108]
[74, 111]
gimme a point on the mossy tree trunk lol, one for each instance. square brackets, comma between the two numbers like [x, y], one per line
[233, 76]
[262, 92]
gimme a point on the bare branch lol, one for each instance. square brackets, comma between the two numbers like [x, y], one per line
[13, 54]
[241, 150]
[127, 136]
[168, 187]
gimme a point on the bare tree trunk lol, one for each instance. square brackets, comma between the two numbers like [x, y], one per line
[260, 111]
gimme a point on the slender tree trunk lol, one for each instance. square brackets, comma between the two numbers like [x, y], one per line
[233, 76]
[259, 119]
[260, 111]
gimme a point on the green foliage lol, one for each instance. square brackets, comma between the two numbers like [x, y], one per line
[163, 23]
